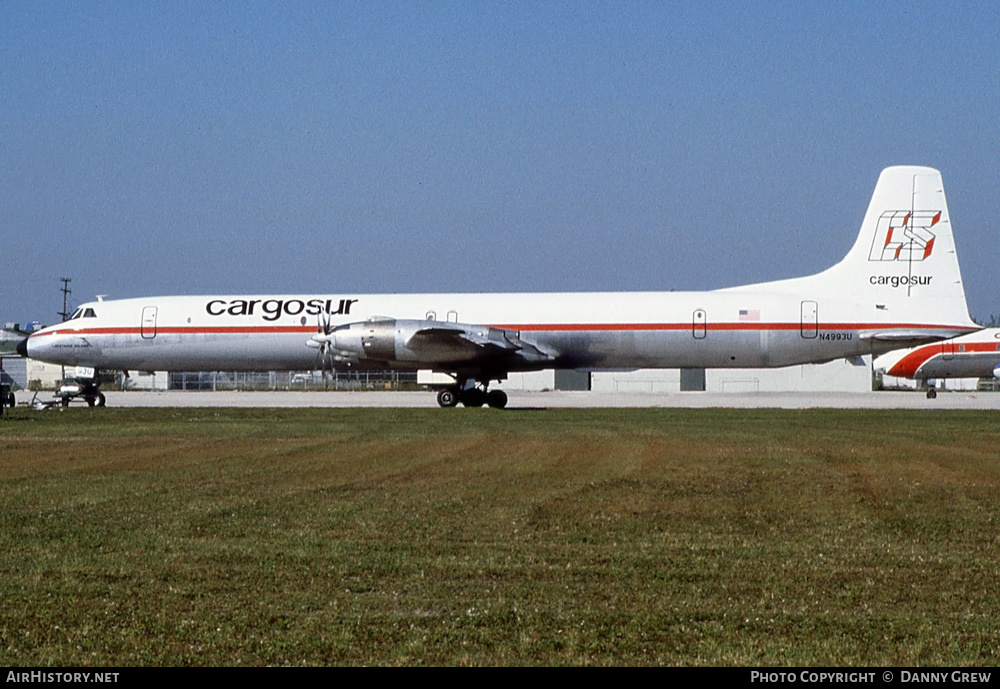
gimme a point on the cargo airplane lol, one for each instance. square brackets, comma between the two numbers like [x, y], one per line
[898, 286]
[976, 355]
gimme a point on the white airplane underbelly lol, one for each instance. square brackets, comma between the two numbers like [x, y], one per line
[594, 349]
[235, 351]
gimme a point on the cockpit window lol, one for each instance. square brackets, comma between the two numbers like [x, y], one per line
[76, 314]
[89, 313]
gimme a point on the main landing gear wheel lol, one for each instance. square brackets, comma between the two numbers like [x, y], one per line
[97, 400]
[931, 393]
[473, 397]
[496, 399]
[447, 398]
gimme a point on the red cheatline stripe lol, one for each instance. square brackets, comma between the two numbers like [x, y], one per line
[526, 327]
[193, 330]
[725, 326]
[908, 366]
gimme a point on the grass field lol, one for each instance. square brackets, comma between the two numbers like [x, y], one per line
[472, 536]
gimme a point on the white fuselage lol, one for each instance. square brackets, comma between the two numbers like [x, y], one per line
[739, 328]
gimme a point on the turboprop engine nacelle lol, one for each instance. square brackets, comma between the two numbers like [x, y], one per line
[415, 341]
[374, 339]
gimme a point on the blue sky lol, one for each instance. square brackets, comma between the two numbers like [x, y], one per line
[186, 148]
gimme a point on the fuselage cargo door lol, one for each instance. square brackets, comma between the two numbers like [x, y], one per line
[699, 324]
[148, 326]
[810, 319]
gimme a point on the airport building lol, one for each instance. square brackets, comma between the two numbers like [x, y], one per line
[14, 372]
[836, 376]
[38, 375]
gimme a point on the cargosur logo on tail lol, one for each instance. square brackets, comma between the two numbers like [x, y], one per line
[904, 236]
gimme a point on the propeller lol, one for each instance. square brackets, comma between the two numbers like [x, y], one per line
[328, 356]
[321, 342]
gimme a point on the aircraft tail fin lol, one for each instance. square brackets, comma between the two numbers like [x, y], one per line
[903, 265]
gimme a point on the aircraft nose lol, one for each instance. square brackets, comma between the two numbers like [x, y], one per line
[22, 347]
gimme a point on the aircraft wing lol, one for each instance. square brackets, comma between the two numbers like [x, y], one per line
[429, 343]
[471, 343]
